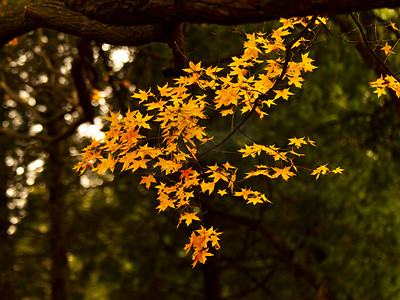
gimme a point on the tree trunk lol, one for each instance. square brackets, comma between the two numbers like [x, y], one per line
[58, 219]
[7, 275]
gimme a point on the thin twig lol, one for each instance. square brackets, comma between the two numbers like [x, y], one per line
[366, 42]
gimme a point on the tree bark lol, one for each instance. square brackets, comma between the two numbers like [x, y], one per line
[16, 20]
[136, 22]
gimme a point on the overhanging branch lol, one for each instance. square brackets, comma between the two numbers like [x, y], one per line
[225, 12]
[19, 19]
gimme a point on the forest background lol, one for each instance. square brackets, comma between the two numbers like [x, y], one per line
[65, 236]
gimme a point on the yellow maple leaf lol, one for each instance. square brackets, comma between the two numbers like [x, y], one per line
[297, 142]
[188, 218]
[165, 202]
[142, 95]
[106, 163]
[168, 166]
[338, 170]
[114, 118]
[243, 193]
[393, 25]
[193, 67]
[306, 63]
[311, 142]
[285, 173]
[321, 170]
[255, 199]
[222, 192]
[285, 93]
[207, 186]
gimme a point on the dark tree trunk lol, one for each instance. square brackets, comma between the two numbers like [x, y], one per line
[58, 219]
[7, 275]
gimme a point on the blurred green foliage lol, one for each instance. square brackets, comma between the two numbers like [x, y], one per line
[340, 233]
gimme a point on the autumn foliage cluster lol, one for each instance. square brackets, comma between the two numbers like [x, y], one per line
[271, 67]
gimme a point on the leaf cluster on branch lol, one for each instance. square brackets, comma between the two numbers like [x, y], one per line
[266, 71]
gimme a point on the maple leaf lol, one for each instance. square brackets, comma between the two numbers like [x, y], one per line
[243, 193]
[226, 112]
[285, 93]
[306, 63]
[387, 48]
[255, 199]
[286, 23]
[141, 121]
[380, 91]
[285, 173]
[147, 180]
[201, 257]
[113, 118]
[142, 95]
[168, 166]
[296, 80]
[188, 218]
[106, 163]
[228, 166]
[338, 170]
[207, 186]
[311, 142]
[186, 174]
[222, 192]
[269, 102]
[165, 90]
[165, 202]
[277, 34]
[393, 25]
[193, 67]
[297, 142]
[321, 170]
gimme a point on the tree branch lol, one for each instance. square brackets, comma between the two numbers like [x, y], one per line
[19, 136]
[366, 43]
[225, 12]
[10, 92]
[19, 19]
[137, 22]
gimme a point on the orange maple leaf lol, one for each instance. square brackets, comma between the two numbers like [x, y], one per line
[188, 218]
[387, 48]
[201, 257]
[186, 174]
[147, 180]
[285, 173]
